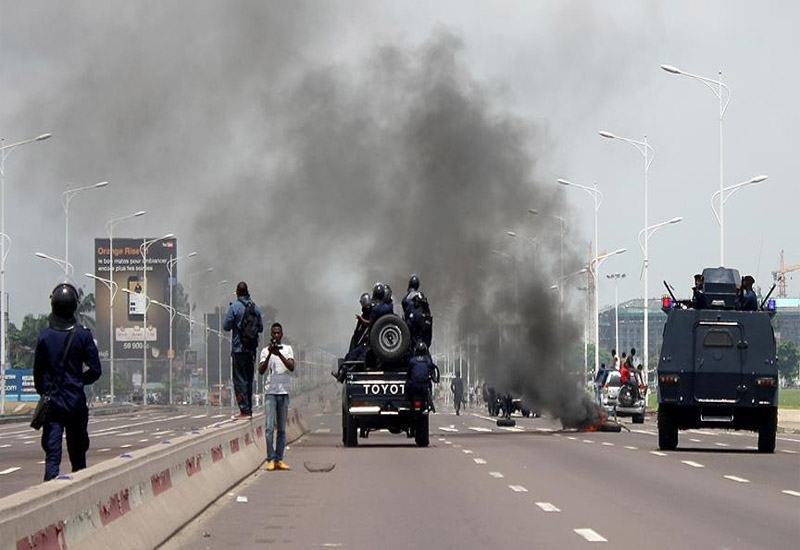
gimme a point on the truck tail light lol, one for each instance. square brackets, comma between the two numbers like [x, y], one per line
[767, 382]
[417, 405]
[669, 379]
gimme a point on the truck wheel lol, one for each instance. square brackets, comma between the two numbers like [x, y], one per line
[526, 413]
[421, 433]
[350, 431]
[766, 432]
[667, 431]
[638, 419]
[389, 338]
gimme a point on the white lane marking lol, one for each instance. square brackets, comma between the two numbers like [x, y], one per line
[28, 442]
[199, 416]
[588, 441]
[692, 464]
[442, 439]
[788, 439]
[789, 451]
[658, 453]
[448, 442]
[646, 432]
[607, 444]
[479, 429]
[143, 440]
[496, 475]
[518, 488]
[103, 450]
[545, 430]
[40, 462]
[631, 448]
[466, 451]
[591, 535]
[571, 438]
[136, 432]
[5, 446]
[444, 429]
[219, 416]
[695, 440]
[164, 432]
[456, 446]
[320, 430]
[751, 447]
[737, 479]
[514, 429]
[125, 446]
[792, 493]
[10, 470]
[479, 461]
[721, 444]
[547, 507]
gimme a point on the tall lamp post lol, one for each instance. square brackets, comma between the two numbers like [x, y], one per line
[727, 192]
[598, 199]
[170, 266]
[643, 237]
[66, 197]
[62, 264]
[5, 151]
[191, 278]
[110, 230]
[143, 248]
[716, 87]
[112, 291]
[616, 277]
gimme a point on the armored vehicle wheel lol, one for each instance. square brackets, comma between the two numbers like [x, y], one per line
[422, 433]
[350, 435]
[667, 431]
[766, 432]
[389, 338]
[638, 419]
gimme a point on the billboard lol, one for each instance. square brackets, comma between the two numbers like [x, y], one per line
[129, 332]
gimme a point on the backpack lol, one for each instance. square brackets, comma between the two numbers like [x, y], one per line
[248, 328]
[419, 373]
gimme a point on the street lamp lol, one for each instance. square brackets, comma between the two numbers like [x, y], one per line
[62, 264]
[647, 153]
[110, 230]
[616, 277]
[143, 248]
[170, 265]
[598, 261]
[112, 291]
[642, 238]
[727, 192]
[66, 197]
[191, 277]
[5, 151]
[724, 99]
[598, 199]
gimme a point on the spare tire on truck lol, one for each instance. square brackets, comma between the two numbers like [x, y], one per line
[389, 338]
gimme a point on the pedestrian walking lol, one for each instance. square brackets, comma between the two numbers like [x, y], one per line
[62, 350]
[244, 321]
[277, 362]
[457, 387]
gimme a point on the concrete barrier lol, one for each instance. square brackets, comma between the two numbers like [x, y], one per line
[139, 499]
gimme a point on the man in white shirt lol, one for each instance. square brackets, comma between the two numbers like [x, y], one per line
[277, 361]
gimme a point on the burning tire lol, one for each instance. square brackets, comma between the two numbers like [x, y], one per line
[506, 422]
[766, 432]
[389, 338]
[667, 430]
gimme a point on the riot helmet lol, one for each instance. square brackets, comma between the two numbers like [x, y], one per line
[378, 292]
[413, 282]
[64, 301]
[420, 349]
[388, 297]
[365, 301]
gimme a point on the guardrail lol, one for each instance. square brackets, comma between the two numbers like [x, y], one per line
[139, 499]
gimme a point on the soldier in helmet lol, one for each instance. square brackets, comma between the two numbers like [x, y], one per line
[63, 348]
[420, 372]
[381, 301]
[417, 313]
[358, 342]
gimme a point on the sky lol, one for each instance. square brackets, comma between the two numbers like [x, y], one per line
[312, 148]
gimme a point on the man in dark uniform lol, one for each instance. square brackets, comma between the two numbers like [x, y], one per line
[413, 286]
[417, 313]
[359, 343]
[381, 302]
[420, 371]
[748, 301]
[62, 350]
[698, 296]
[457, 387]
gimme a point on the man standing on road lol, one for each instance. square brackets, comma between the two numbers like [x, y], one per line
[457, 387]
[277, 361]
[62, 350]
[244, 320]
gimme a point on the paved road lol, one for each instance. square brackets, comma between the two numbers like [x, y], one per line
[22, 457]
[529, 487]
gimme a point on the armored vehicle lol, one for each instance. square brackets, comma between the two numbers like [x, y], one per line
[718, 366]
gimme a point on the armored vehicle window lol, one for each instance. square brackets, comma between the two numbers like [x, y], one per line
[718, 338]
